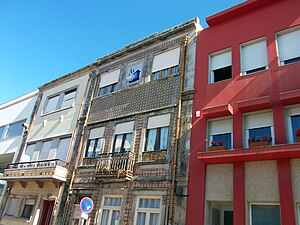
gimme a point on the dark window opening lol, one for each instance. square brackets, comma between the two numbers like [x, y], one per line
[288, 61]
[222, 73]
[256, 69]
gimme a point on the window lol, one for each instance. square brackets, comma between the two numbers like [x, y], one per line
[53, 149]
[148, 211]
[1, 131]
[258, 125]
[157, 132]
[220, 66]
[12, 207]
[254, 56]
[60, 101]
[220, 131]
[288, 46]
[265, 214]
[110, 213]
[293, 122]
[123, 137]
[95, 142]
[15, 129]
[108, 83]
[165, 64]
[28, 207]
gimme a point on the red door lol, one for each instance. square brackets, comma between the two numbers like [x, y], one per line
[47, 212]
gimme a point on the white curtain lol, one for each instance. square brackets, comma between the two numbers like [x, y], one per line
[105, 215]
[151, 139]
[154, 219]
[163, 138]
[141, 219]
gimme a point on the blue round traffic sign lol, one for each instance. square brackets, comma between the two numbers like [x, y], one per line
[86, 205]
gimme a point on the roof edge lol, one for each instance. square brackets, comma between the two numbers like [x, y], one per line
[19, 99]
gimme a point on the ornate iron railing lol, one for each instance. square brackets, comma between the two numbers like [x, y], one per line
[37, 164]
[115, 164]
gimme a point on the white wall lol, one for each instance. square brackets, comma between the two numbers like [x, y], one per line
[60, 122]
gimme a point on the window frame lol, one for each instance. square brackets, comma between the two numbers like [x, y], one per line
[60, 100]
[157, 139]
[95, 147]
[24, 207]
[246, 130]
[247, 44]
[211, 77]
[113, 89]
[122, 149]
[289, 112]
[169, 72]
[8, 127]
[262, 203]
[281, 33]
[148, 211]
[110, 208]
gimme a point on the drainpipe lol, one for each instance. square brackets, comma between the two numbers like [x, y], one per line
[171, 218]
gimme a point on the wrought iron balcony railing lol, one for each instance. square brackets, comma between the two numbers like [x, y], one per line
[119, 164]
[38, 164]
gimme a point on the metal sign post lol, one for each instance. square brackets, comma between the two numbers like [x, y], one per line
[86, 206]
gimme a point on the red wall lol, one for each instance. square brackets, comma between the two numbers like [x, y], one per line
[260, 21]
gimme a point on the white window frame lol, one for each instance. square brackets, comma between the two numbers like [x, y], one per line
[262, 203]
[110, 208]
[147, 210]
[23, 206]
[96, 134]
[214, 54]
[264, 56]
[281, 33]
[60, 100]
[8, 126]
[246, 130]
[210, 133]
[289, 112]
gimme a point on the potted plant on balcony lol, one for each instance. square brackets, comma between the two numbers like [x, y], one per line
[256, 141]
[217, 146]
[297, 133]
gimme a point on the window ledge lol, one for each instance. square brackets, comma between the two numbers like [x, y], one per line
[20, 219]
[290, 97]
[254, 104]
[55, 111]
[251, 154]
[217, 111]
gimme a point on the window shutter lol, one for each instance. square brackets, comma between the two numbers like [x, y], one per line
[13, 207]
[220, 126]
[258, 120]
[220, 60]
[166, 60]
[254, 56]
[109, 78]
[123, 128]
[96, 133]
[158, 121]
[288, 45]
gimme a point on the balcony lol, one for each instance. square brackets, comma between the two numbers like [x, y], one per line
[115, 166]
[53, 169]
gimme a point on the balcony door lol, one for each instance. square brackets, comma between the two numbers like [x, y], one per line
[47, 212]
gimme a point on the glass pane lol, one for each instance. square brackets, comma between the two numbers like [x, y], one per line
[108, 89]
[223, 138]
[115, 217]
[163, 138]
[151, 139]
[118, 143]
[141, 218]
[164, 73]
[154, 219]
[90, 150]
[63, 148]
[156, 75]
[174, 70]
[114, 88]
[127, 143]
[110, 201]
[46, 146]
[15, 129]
[295, 125]
[104, 218]
[1, 131]
[265, 214]
[98, 149]
[149, 203]
[102, 91]
[51, 104]
[260, 132]
[68, 99]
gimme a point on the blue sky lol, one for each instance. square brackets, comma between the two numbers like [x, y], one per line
[43, 40]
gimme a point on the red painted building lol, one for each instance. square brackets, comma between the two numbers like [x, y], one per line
[247, 92]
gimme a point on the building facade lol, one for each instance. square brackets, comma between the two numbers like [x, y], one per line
[134, 153]
[15, 117]
[40, 175]
[244, 162]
